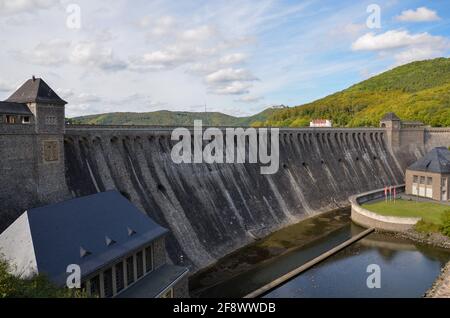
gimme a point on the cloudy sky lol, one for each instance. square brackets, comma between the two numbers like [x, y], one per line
[235, 56]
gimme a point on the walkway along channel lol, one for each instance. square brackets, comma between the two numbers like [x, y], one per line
[279, 281]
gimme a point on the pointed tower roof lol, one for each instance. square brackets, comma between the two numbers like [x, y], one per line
[437, 160]
[390, 117]
[35, 90]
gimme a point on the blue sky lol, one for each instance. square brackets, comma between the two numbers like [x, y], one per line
[237, 57]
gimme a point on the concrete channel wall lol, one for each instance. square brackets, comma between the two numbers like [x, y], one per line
[370, 219]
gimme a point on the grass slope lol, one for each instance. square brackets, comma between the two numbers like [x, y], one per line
[428, 211]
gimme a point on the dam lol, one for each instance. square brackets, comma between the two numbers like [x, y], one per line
[211, 210]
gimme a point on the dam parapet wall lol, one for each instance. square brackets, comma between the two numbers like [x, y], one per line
[369, 219]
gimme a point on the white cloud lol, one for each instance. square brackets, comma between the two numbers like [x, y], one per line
[6, 87]
[199, 34]
[249, 99]
[403, 46]
[171, 57]
[234, 58]
[231, 88]
[421, 14]
[230, 81]
[49, 53]
[162, 26]
[57, 52]
[91, 55]
[19, 6]
[416, 54]
[395, 39]
[229, 75]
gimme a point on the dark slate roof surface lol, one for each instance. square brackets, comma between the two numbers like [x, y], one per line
[14, 108]
[35, 90]
[437, 160]
[60, 231]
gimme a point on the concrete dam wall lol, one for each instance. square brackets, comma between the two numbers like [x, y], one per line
[213, 209]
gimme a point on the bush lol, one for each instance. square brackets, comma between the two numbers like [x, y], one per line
[36, 287]
[445, 227]
[426, 227]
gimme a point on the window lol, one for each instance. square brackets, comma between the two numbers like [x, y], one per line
[415, 179]
[50, 120]
[10, 119]
[168, 294]
[148, 259]
[108, 282]
[120, 284]
[25, 119]
[140, 264]
[429, 181]
[95, 286]
[130, 270]
[422, 180]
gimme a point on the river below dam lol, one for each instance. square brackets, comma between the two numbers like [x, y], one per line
[407, 268]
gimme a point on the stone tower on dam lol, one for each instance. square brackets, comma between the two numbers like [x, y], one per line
[210, 209]
[32, 127]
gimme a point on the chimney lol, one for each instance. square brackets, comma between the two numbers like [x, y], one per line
[33, 78]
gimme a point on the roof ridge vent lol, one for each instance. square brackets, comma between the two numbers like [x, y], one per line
[109, 241]
[84, 252]
[131, 232]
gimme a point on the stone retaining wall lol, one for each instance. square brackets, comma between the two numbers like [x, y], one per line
[370, 219]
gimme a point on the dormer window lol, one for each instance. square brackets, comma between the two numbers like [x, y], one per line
[10, 119]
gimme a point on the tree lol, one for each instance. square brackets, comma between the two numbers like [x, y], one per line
[36, 287]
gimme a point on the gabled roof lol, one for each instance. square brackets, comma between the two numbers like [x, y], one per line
[437, 160]
[35, 90]
[14, 108]
[390, 117]
[91, 231]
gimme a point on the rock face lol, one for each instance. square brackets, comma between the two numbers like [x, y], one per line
[213, 209]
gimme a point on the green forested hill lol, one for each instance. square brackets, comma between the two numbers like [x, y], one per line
[416, 91]
[168, 118]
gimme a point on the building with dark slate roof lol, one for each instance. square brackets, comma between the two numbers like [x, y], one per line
[119, 250]
[429, 176]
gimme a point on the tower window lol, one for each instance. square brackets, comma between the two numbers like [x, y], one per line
[50, 120]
